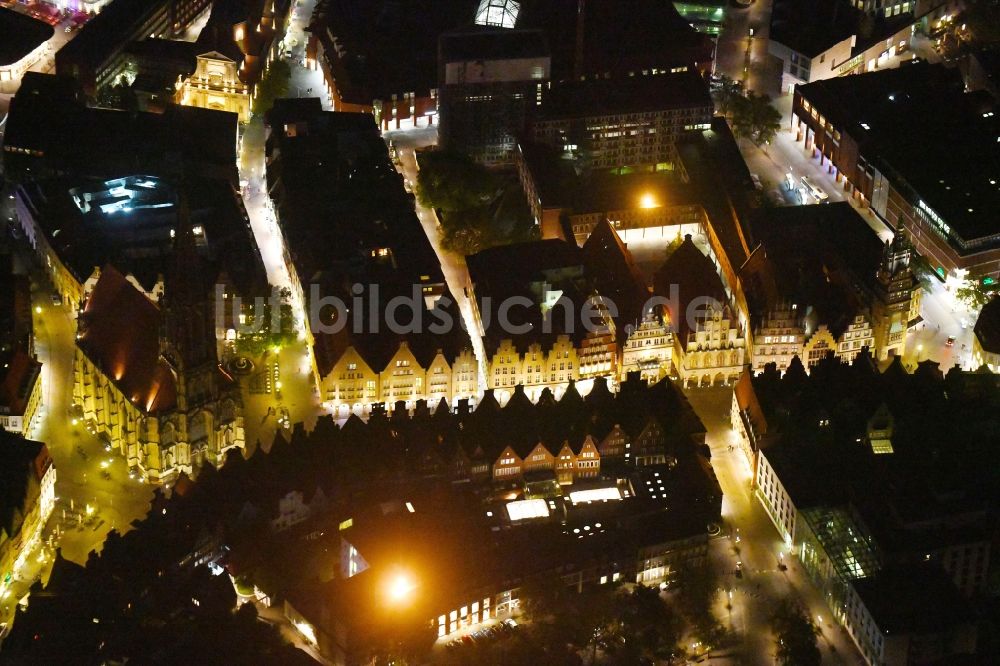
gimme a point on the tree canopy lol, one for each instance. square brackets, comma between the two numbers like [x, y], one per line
[795, 635]
[266, 329]
[478, 208]
[755, 119]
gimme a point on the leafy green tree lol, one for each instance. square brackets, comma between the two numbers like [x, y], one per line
[451, 182]
[476, 207]
[755, 119]
[975, 294]
[263, 330]
[796, 636]
[699, 587]
[273, 86]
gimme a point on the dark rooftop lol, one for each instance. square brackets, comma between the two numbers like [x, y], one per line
[694, 276]
[988, 326]
[492, 44]
[954, 169]
[22, 465]
[104, 34]
[655, 35]
[638, 94]
[119, 331]
[21, 35]
[810, 27]
[129, 223]
[47, 117]
[818, 254]
[915, 599]
[385, 47]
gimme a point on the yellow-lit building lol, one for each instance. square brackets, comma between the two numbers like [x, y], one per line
[148, 383]
[649, 350]
[28, 465]
[714, 353]
[215, 84]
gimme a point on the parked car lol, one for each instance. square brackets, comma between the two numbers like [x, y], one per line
[950, 342]
[756, 181]
[814, 190]
[56, 299]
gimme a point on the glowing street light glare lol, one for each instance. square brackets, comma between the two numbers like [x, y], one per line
[400, 588]
[648, 201]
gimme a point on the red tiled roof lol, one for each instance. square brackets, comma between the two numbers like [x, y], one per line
[16, 383]
[119, 333]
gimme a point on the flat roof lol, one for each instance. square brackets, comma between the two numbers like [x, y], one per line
[492, 44]
[377, 48]
[634, 94]
[913, 599]
[809, 27]
[651, 33]
[105, 33]
[954, 167]
[21, 35]
[129, 222]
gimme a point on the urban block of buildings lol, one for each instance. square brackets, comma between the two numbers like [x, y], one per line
[27, 497]
[843, 37]
[940, 192]
[821, 281]
[876, 484]
[986, 338]
[306, 530]
[20, 372]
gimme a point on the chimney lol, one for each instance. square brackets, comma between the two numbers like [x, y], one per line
[581, 15]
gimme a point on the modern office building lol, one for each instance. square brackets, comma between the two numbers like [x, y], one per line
[941, 190]
[630, 123]
[489, 85]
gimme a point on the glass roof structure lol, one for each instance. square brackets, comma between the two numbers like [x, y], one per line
[499, 13]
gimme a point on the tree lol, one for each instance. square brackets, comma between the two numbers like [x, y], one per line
[274, 85]
[477, 208]
[975, 294]
[264, 330]
[755, 119]
[727, 94]
[452, 182]
[698, 589]
[796, 636]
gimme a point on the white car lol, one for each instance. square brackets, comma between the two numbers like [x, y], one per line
[814, 190]
[756, 181]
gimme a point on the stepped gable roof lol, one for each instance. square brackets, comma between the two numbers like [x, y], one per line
[119, 332]
[616, 276]
[695, 276]
[987, 327]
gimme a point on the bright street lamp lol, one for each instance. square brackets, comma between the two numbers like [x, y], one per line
[399, 589]
[648, 200]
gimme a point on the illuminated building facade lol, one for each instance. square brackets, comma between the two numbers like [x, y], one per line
[28, 477]
[714, 353]
[215, 84]
[240, 41]
[147, 376]
[649, 349]
[778, 339]
[940, 196]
